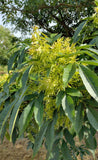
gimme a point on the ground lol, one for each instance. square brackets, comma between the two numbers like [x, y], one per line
[19, 151]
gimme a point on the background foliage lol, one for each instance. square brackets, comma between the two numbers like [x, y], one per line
[7, 41]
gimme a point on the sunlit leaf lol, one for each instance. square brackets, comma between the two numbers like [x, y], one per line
[73, 92]
[90, 80]
[69, 71]
[90, 62]
[38, 112]
[68, 107]
[92, 115]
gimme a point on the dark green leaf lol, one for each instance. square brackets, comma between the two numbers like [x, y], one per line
[78, 30]
[91, 142]
[6, 88]
[39, 138]
[14, 135]
[78, 119]
[21, 57]
[25, 118]
[3, 131]
[3, 98]
[59, 98]
[5, 114]
[15, 111]
[11, 60]
[55, 154]
[68, 136]
[50, 134]
[13, 78]
[25, 77]
[14, 116]
[65, 151]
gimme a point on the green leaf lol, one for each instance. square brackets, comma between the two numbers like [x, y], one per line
[21, 57]
[12, 59]
[14, 116]
[2, 133]
[90, 80]
[25, 118]
[92, 115]
[65, 151]
[91, 54]
[78, 30]
[53, 38]
[59, 98]
[91, 142]
[55, 151]
[68, 136]
[39, 138]
[50, 137]
[90, 62]
[93, 50]
[94, 41]
[73, 92]
[13, 78]
[1, 94]
[68, 107]
[15, 112]
[25, 77]
[3, 98]
[38, 112]
[5, 114]
[78, 119]
[68, 73]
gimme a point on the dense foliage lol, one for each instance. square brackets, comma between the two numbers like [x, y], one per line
[51, 93]
[7, 41]
[51, 15]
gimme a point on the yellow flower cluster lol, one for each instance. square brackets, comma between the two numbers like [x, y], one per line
[49, 62]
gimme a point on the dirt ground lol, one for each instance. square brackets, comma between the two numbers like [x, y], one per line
[19, 152]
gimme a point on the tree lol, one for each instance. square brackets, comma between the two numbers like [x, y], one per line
[7, 41]
[53, 16]
[51, 94]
